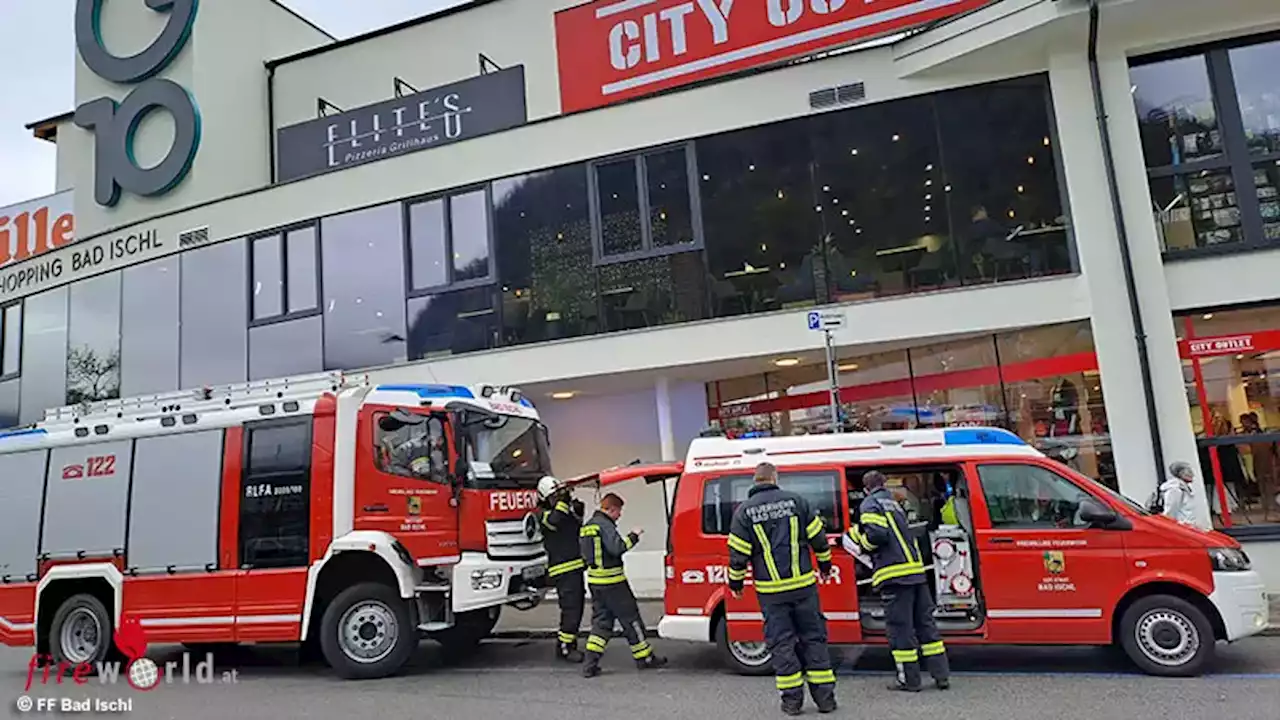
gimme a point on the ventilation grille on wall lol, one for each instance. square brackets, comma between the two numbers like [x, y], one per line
[838, 95]
[192, 238]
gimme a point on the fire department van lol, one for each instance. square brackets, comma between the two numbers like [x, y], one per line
[1037, 554]
[354, 518]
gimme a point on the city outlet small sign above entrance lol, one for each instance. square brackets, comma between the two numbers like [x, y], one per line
[484, 104]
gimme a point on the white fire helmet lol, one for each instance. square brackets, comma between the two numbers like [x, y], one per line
[548, 486]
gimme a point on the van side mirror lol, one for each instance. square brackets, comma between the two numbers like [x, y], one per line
[1098, 515]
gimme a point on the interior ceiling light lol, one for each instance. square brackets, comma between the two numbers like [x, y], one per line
[563, 395]
[786, 362]
[847, 367]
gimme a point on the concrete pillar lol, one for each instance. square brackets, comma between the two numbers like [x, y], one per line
[666, 433]
[1099, 252]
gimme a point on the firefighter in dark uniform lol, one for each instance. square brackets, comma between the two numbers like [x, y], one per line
[774, 530]
[898, 572]
[561, 518]
[611, 597]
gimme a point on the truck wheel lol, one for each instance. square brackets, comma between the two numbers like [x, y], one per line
[744, 658]
[81, 631]
[469, 629]
[368, 631]
[1168, 636]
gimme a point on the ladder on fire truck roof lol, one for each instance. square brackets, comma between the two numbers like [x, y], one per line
[211, 398]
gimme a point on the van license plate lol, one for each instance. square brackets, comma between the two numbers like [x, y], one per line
[534, 571]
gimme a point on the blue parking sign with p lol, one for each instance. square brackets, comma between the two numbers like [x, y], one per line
[815, 320]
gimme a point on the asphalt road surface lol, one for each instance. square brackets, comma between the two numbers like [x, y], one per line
[517, 680]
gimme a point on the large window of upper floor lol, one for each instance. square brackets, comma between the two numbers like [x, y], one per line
[1210, 125]
[955, 189]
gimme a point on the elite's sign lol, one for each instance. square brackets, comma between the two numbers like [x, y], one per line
[480, 105]
[613, 50]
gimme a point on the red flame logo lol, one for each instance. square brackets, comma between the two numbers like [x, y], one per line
[130, 638]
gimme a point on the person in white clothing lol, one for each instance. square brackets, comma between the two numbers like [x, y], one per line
[1176, 493]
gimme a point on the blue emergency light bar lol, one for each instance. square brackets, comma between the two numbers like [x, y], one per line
[7, 434]
[427, 392]
[980, 436]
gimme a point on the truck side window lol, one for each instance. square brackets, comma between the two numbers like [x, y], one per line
[275, 489]
[1029, 496]
[416, 451]
[721, 496]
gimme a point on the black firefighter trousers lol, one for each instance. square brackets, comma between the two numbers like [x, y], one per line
[571, 594]
[615, 602]
[913, 633]
[796, 634]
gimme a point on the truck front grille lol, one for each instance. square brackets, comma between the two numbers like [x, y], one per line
[510, 540]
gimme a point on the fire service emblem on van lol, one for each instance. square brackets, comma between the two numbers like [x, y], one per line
[115, 125]
[415, 505]
[1054, 562]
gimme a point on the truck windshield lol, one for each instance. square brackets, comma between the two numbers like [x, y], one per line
[507, 452]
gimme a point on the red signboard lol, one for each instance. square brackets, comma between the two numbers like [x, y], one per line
[613, 50]
[1224, 345]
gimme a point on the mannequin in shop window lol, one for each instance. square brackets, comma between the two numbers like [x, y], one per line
[1233, 478]
[1064, 422]
[1263, 459]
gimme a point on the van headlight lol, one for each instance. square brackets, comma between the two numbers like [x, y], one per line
[1228, 560]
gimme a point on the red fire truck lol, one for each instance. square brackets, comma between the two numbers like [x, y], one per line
[1032, 552]
[352, 517]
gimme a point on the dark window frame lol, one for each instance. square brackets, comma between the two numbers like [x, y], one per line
[446, 197]
[647, 249]
[282, 233]
[247, 476]
[4, 334]
[1236, 158]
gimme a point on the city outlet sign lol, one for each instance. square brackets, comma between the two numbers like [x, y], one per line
[614, 50]
[488, 103]
[115, 125]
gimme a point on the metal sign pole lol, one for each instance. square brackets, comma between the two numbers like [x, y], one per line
[833, 383]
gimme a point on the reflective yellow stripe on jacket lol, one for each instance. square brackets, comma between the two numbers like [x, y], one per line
[566, 567]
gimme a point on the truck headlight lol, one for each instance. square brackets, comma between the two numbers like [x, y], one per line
[1228, 560]
[486, 579]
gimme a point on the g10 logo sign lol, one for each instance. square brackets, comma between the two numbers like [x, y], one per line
[115, 126]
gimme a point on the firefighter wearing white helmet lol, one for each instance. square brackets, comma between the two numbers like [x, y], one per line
[561, 518]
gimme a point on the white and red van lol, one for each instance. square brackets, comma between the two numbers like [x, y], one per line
[1038, 554]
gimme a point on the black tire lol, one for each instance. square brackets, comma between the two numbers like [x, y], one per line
[88, 613]
[375, 609]
[1167, 636]
[469, 630]
[750, 659]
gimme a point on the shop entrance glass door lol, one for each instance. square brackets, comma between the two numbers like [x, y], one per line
[1233, 384]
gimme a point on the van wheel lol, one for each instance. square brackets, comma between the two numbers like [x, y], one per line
[81, 631]
[744, 658]
[1168, 636]
[368, 631]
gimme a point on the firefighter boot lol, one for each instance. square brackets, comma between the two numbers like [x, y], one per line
[824, 696]
[651, 662]
[792, 704]
[908, 678]
[591, 666]
[568, 652]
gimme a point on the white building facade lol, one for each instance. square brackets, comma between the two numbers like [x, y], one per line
[628, 208]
